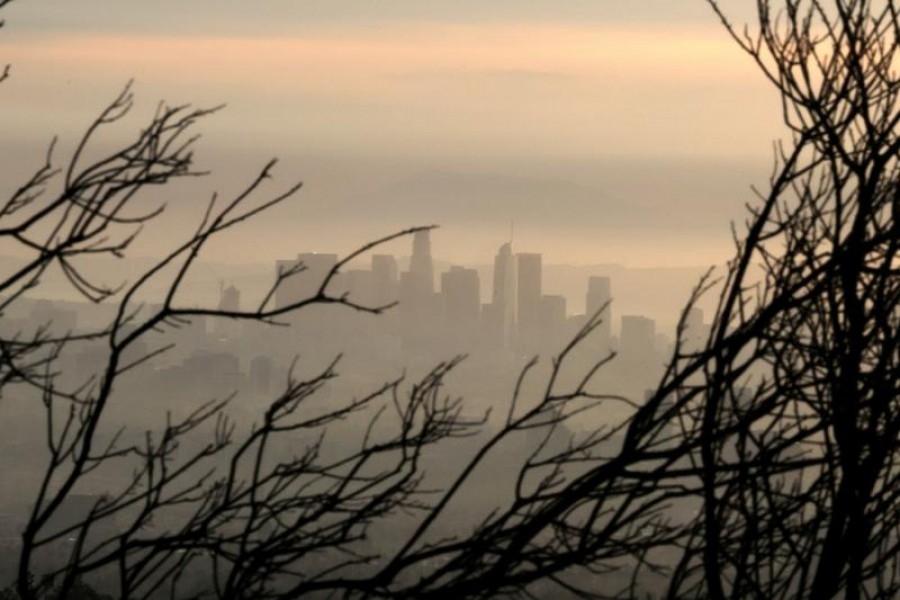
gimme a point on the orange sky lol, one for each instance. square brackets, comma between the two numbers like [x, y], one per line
[507, 97]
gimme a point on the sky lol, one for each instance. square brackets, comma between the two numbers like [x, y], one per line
[604, 131]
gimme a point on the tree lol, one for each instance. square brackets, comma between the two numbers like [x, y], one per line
[813, 512]
[255, 520]
[777, 437]
[261, 523]
[787, 417]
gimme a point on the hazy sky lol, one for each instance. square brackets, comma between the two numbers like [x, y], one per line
[609, 131]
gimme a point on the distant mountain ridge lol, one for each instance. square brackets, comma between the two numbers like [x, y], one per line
[447, 196]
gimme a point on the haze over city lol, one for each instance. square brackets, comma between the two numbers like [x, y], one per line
[610, 132]
[421, 299]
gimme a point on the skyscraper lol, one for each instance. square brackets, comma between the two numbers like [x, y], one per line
[305, 283]
[528, 298]
[551, 321]
[504, 298]
[359, 285]
[637, 339]
[229, 299]
[695, 332]
[420, 265]
[599, 293]
[461, 295]
[417, 284]
[384, 279]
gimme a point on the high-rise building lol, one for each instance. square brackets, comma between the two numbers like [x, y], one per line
[420, 265]
[417, 296]
[694, 320]
[285, 294]
[504, 297]
[695, 331]
[552, 321]
[462, 297]
[306, 282]
[637, 339]
[528, 298]
[599, 294]
[229, 301]
[358, 283]
[385, 283]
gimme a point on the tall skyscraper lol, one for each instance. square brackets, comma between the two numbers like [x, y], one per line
[599, 293]
[285, 294]
[504, 298]
[305, 283]
[417, 284]
[637, 339]
[552, 321]
[385, 281]
[462, 297]
[696, 331]
[230, 299]
[359, 285]
[420, 265]
[528, 298]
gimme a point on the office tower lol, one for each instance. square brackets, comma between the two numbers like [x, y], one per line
[695, 331]
[285, 293]
[552, 321]
[420, 265]
[419, 305]
[462, 297]
[359, 286]
[229, 301]
[306, 282]
[528, 298]
[318, 265]
[637, 339]
[504, 298]
[599, 294]
[385, 283]
[417, 296]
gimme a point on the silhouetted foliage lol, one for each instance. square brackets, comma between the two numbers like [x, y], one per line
[79, 590]
[805, 412]
[776, 438]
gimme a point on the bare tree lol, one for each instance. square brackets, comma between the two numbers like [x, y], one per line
[256, 522]
[786, 419]
[777, 438]
[92, 213]
[799, 408]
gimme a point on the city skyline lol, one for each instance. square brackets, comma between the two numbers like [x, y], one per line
[452, 299]
[515, 310]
